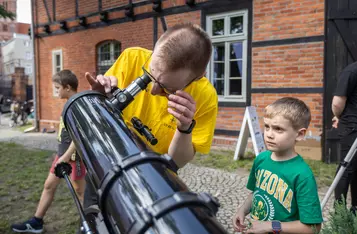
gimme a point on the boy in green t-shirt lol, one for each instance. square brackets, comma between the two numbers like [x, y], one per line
[284, 196]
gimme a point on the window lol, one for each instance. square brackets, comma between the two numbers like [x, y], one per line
[107, 53]
[57, 66]
[228, 65]
[28, 69]
[28, 55]
[4, 27]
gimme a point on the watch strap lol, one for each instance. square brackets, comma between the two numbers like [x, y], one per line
[189, 130]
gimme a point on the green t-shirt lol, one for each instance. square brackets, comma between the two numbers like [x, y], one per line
[283, 190]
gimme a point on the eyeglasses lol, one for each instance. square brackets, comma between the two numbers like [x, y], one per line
[165, 89]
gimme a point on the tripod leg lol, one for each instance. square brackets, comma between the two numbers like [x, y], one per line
[340, 172]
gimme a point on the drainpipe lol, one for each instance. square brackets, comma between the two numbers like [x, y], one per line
[34, 82]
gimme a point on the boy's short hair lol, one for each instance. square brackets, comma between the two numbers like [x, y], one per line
[293, 109]
[185, 46]
[66, 77]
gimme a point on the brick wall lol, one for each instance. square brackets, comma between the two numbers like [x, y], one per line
[295, 65]
[283, 66]
[20, 81]
[80, 57]
[278, 19]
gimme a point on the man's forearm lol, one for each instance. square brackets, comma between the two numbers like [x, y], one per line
[181, 148]
[338, 105]
[336, 111]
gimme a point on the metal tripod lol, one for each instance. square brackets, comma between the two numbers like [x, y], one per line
[340, 172]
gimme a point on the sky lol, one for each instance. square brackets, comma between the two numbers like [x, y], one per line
[23, 13]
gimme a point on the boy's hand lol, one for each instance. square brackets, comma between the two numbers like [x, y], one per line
[103, 84]
[259, 227]
[238, 221]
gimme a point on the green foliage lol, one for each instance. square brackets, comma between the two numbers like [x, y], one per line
[6, 14]
[22, 175]
[341, 221]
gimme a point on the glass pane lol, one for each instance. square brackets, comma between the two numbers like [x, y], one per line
[105, 48]
[58, 60]
[235, 69]
[116, 47]
[236, 50]
[235, 87]
[236, 24]
[102, 69]
[219, 85]
[218, 70]
[218, 52]
[218, 27]
[116, 50]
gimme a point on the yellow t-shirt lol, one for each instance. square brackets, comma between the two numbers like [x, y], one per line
[152, 109]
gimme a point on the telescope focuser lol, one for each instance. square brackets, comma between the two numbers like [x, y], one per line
[123, 97]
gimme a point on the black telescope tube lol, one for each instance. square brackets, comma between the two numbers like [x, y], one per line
[137, 191]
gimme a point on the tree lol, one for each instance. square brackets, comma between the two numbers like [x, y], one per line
[6, 14]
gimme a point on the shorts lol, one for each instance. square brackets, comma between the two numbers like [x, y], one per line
[78, 169]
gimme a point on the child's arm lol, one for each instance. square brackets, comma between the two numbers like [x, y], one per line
[286, 227]
[67, 155]
[242, 211]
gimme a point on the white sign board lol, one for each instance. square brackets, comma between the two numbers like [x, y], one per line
[250, 126]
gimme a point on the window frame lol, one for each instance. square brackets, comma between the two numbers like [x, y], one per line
[28, 69]
[226, 39]
[111, 53]
[54, 67]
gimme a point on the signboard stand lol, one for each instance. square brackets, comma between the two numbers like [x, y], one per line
[250, 126]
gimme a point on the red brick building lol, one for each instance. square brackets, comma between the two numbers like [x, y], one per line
[263, 49]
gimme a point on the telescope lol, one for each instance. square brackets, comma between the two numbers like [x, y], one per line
[138, 190]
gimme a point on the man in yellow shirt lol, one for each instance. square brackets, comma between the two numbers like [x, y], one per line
[179, 96]
[180, 105]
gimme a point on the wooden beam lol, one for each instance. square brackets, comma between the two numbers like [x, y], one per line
[48, 13]
[155, 31]
[342, 14]
[347, 37]
[99, 5]
[54, 9]
[163, 23]
[77, 11]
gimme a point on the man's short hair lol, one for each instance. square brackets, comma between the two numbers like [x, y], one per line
[292, 109]
[185, 46]
[66, 77]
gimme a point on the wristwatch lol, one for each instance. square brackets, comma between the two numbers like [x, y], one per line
[276, 225]
[189, 130]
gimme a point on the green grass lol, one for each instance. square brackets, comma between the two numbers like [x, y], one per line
[323, 172]
[22, 128]
[22, 175]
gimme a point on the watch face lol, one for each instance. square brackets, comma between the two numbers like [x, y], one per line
[276, 225]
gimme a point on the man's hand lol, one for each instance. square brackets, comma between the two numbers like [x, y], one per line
[335, 122]
[103, 84]
[259, 227]
[183, 108]
[238, 221]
